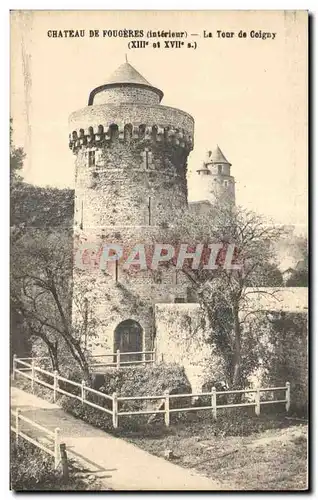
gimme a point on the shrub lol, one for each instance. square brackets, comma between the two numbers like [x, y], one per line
[31, 469]
[131, 381]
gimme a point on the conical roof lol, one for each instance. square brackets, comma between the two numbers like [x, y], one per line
[216, 156]
[126, 73]
[204, 168]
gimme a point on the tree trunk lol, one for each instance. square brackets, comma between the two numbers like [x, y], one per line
[53, 355]
[236, 377]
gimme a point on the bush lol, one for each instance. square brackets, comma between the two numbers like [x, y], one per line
[31, 469]
[132, 381]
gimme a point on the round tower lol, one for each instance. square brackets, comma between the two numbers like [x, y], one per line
[217, 185]
[130, 166]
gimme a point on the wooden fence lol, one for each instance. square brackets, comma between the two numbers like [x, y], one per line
[165, 406]
[53, 437]
[118, 359]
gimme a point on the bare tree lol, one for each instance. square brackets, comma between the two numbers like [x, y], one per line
[224, 293]
[41, 289]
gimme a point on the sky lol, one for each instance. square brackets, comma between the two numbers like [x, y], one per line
[248, 95]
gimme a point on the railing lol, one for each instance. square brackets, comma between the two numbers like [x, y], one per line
[164, 408]
[148, 357]
[55, 436]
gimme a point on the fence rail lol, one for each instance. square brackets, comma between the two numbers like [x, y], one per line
[55, 452]
[166, 398]
[119, 359]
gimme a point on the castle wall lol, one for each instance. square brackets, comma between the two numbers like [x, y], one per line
[133, 113]
[135, 183]
[182, 337]
[111, 294]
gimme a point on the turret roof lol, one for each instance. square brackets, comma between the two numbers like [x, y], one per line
[126, 73]
[216, 156]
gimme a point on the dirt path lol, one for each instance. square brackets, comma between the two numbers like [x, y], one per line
[119, 465]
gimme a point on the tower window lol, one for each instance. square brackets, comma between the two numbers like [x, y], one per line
[91, 158]
[147, 159]
[220, 169]
[226, 183]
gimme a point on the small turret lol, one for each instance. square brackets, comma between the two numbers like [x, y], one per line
[216, 183]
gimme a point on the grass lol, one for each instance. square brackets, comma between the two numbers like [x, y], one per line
[248, 453]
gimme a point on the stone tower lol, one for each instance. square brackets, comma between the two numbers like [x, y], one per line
[215, 181]
[131, 161]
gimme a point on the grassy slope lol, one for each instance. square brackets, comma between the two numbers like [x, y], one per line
[272, 459]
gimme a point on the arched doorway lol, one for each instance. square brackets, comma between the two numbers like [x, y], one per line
[128, 338]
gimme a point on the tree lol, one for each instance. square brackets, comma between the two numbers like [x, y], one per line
[17, 156]
[224, 293]
[299, 276]
[41, 284]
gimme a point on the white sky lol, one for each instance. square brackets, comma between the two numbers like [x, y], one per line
[249, 96]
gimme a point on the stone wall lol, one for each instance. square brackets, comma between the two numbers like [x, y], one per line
[130, 184]
[126, 94]
[182, 337]
[112, 294]
[134, 113]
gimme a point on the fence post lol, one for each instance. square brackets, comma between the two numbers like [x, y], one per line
[213, 402]
[115, 410]
[32, 375]
[14, 366]
[144, 358]
[257, 401]
[83, 391]
[287, 396]
[167, 409]
[55, 385]
[118, 359]
[17, 415]
[63, 455]
[56, 447]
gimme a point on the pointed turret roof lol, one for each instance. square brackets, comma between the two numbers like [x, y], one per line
[125, 75]
[216, 156]
[204, 168]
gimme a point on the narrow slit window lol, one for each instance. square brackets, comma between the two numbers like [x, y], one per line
[116, 271]
[82, 215]
[149, 212]
[91, 158]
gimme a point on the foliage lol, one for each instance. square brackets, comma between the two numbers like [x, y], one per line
[127, 382]
[32, 208]
[287, 360]
[41, 293]
[142, 381]
[17, 156]
[32, 470]
[223, 292]
[299, 275]
[41, 207]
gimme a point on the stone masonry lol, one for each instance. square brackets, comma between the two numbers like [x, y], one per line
[131, 165]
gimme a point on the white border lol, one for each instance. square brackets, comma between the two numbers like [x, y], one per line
[4, 198]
